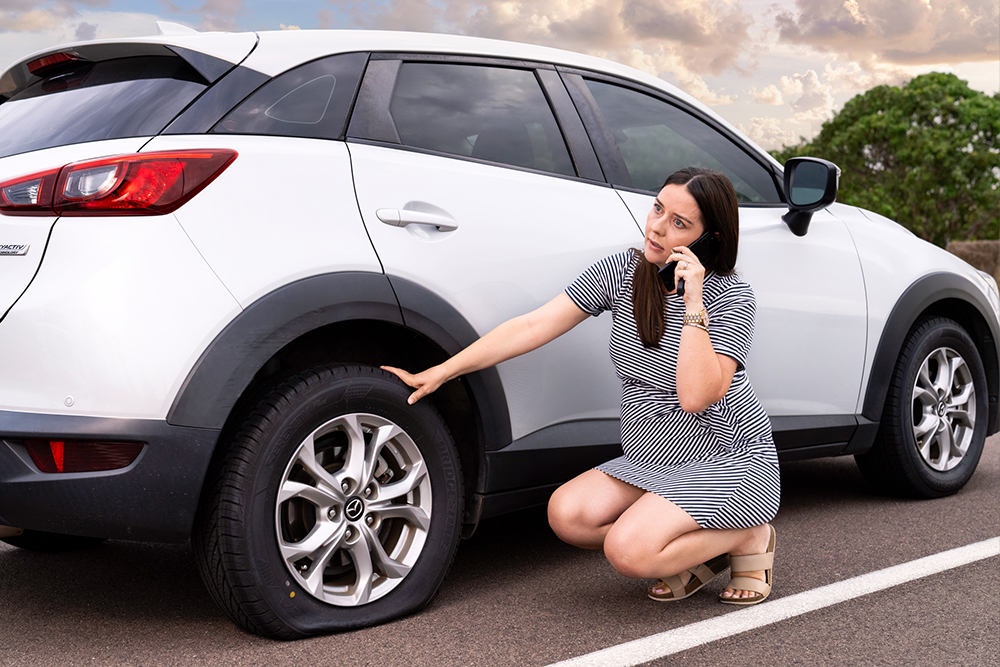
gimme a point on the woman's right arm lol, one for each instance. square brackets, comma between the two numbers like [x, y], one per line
[511, 339]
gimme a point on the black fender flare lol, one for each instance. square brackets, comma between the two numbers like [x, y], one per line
[917, 299]
[229, 363]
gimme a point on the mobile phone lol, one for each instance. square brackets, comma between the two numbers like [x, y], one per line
[704, 248]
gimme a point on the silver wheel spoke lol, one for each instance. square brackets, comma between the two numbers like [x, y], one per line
[361, 555]
[962, 398]
[945, 444]
[316, 495]
[924, 380]
[408, 513]
[314, 576]
[354, 464]
[323, 532]
[926, 397]
[414, 475]
[306, 457]
[960, 418]
[928, 424]
[925, 452]
[381, 560]
[944, 373]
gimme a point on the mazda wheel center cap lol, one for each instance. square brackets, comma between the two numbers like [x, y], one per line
[354, 509]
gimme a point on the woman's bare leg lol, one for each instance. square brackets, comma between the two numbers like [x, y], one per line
[582, 510]
[655, 538]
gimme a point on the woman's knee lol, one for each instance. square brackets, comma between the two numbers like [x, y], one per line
[629, 555]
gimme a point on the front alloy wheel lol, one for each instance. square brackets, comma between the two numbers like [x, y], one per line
[944, 409]
[933, 425]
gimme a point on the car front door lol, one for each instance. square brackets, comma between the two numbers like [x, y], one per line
[809, 344]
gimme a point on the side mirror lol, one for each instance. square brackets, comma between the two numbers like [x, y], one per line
[810, 186]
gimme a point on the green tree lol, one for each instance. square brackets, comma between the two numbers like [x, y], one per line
[926, 155]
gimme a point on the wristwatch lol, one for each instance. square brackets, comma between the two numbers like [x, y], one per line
[698, 319]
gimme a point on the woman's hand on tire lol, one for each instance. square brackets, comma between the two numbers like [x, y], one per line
[425, 382]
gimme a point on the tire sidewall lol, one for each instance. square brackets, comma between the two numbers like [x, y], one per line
[309, 403]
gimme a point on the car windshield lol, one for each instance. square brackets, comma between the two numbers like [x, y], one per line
[113, 99]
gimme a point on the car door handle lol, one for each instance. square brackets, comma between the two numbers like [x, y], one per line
[403, 217]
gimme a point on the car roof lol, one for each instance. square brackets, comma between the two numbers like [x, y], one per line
[279, 50]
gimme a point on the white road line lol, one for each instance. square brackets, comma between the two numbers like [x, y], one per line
[680, 639]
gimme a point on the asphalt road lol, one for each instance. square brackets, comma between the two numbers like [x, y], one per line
[518, 596]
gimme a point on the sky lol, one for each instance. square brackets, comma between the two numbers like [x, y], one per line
[776, 69]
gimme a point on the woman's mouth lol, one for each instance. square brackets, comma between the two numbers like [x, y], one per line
[654, 244]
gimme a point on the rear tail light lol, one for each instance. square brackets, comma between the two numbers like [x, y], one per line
[56, 456]
[140, 184]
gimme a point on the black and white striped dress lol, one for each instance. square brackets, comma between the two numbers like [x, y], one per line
[719, 465]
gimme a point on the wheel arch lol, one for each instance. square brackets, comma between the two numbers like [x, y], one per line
[938, 294]
[351, 317]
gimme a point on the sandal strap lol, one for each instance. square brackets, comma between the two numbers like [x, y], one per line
[710, 569]
[748, 584]
[675, 585]
[752, 562]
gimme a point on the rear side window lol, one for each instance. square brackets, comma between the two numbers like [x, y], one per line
[111, 99]
[656, 139]
[496, 114]
[312, 100]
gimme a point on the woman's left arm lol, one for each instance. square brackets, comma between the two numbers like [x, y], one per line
[703, 375]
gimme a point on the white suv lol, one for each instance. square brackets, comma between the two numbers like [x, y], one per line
[210, 242]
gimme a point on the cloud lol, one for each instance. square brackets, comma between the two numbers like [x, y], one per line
[902, 32]
[288, 27]
[769, 133]
[85, 32]
[221, 14]
[813, 98]
[770, 95]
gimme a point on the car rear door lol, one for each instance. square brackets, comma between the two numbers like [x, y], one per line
[469, 188]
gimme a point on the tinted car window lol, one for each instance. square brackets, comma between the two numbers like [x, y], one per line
[656, 138]
[491, 113]
[309, 101]
[112, 99]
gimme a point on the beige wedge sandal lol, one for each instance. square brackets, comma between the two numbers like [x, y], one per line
[764, 561]
[700, 576]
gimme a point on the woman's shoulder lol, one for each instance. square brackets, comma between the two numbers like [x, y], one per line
[727, 288]
[618, 264]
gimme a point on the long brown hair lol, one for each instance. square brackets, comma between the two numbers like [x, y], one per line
[716, 199]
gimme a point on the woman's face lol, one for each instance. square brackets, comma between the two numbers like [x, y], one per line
[675, 220]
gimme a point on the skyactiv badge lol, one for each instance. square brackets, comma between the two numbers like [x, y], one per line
[13, 249]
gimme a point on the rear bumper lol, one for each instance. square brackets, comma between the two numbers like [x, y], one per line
[154, 499]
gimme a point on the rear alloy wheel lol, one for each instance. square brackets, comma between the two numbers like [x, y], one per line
[934, 422]
[335, 505]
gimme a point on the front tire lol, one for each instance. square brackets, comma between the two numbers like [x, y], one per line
[335, 505]
[933, 425]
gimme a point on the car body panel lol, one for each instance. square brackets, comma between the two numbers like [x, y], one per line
[301, 220]
[17, 271]
[116, 336]
[808, 288]
[888, 275]
[521, 238]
